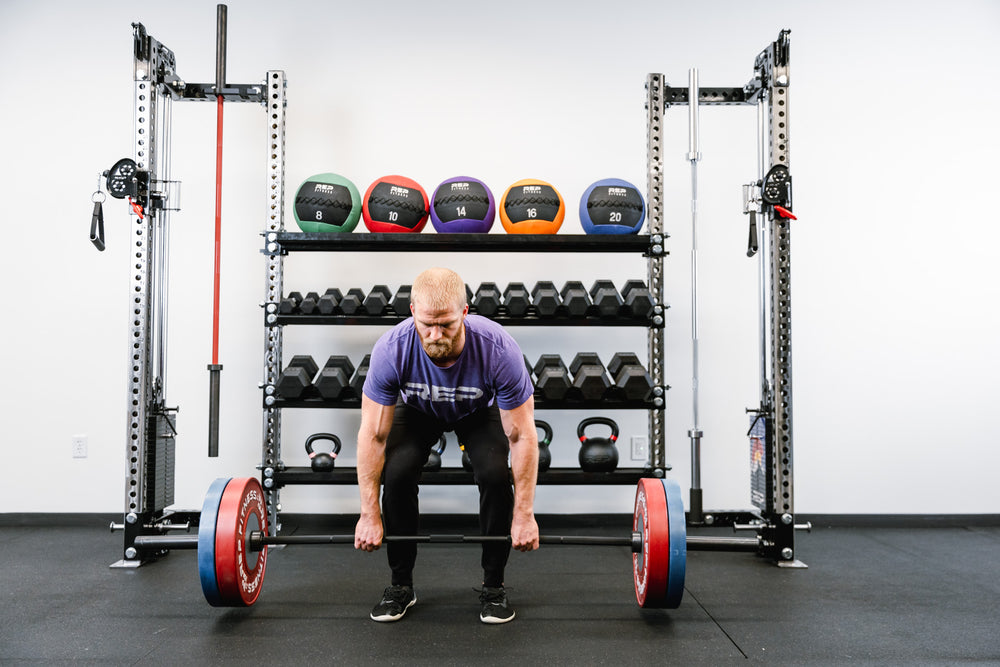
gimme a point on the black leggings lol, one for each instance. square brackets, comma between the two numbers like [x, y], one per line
[410, 440]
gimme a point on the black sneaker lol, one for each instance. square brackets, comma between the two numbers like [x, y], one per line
[495, 609]
[395, 601]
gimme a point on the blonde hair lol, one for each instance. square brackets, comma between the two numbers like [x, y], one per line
[438, 288]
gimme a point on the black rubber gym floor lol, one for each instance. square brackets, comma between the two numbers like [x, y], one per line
[871, 595]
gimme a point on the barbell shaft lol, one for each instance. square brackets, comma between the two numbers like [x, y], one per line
[258, 541]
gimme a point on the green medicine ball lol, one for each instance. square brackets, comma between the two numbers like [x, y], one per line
[327, 203]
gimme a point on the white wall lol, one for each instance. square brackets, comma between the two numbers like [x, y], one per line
[894, 145]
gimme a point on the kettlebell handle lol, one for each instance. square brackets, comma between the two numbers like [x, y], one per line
[546, 433]
[597, 420]
[439, 450]
[322, 436]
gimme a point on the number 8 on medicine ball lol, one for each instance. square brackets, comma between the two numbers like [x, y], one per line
[327, 203]
[531, 206]
[612, 206]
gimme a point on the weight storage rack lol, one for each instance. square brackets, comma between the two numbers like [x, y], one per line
[152, 425]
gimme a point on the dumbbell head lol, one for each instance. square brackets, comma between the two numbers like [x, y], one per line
[516, 298]
[545, 298]
[589, 376]
[358, 381]
[309, 304]
[297, 376]
[606, 298]
[377, 300]
[631, 379]
[575, 298]
[401, 302]
[553, 381]
[290, 303]
[335, 377]
[487, 299]
[330, 301]
[352, 302]
[638, 299]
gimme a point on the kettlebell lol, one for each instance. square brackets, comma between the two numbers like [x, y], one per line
[544, 455]
[434, 458]
[322, 461]
[598, 454]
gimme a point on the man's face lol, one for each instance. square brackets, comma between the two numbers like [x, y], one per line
[440, 330]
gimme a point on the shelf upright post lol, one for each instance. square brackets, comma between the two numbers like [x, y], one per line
[274, 264]
[654, 221]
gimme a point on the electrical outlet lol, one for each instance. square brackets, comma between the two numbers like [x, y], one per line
[79, 446]
[640, 450]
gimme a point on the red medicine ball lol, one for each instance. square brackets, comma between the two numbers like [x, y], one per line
[395, 204]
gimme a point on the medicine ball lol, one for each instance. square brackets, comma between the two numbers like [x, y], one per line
[395, 204]
[612, 206]
[531, 206]
[327, 203]
[463, 205]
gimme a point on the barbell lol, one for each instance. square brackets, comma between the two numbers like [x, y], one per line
[233, 538]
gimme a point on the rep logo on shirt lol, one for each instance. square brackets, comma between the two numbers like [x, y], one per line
[441, 394]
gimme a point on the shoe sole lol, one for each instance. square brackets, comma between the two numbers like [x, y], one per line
[493, 620]
[390, 619]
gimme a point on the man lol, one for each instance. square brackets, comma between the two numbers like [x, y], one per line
[444, 370]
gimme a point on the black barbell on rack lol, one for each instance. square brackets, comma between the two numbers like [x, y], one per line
[233, 540]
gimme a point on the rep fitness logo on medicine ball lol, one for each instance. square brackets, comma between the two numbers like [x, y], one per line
[531, 206]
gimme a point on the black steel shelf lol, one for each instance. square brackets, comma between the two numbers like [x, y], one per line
[564, 476]
[311, 400]
[372, 242]
[531, 319]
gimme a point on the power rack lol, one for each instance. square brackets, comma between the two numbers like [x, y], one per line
[151, 431]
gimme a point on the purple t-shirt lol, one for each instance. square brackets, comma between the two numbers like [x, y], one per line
[490, 370]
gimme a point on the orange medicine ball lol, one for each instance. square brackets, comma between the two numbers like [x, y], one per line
[531, 206]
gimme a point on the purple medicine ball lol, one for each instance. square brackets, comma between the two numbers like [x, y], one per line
[462, 205]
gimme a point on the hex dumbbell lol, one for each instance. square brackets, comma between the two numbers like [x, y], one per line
[330, 301]
[517, 299]
[290, 303]
[297, 376]
[309, 304]
[545, 298]
[606, 298]
[638, 300]
[552, 377]
[575, 298]
[632, 380]
[358, 381]
[334, 379]
[487, 299]
[353, 302]
[589, 377]
[377, 301]
[401, 301]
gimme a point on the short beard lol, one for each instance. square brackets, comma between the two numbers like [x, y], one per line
[439, 349]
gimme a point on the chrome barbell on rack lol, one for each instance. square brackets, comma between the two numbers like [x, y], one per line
[233, 539]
